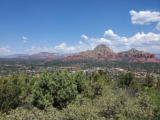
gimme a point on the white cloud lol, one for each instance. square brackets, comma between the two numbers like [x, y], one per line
[64, 48]
[148, 39]
[5, 51]
[156, 47]
[145, 17]
[84, 37]
[24, 38]
[109, 34]
[142, 41]
[36, 49]
[80, 42]
[158, 26]
[61, 48]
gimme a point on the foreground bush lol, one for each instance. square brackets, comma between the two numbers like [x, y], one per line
[109, 106]
[70, 96]
[57, 89]
[10, 93]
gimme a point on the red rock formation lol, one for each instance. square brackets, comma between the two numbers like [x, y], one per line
[134, 55]
[102, 52]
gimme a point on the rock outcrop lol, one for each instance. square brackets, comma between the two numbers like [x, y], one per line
[134, 55]
[102, 52]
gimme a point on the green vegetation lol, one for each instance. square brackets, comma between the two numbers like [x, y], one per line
[57, 89]
[16, 66]
[125, 80]
[64, 95]
[13, 91]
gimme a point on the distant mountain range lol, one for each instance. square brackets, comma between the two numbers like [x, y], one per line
[101, 52]
[43, 56]
[13, 56]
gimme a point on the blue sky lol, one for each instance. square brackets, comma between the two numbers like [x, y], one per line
[65, 26]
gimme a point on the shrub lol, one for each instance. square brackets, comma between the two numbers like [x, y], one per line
[96, 83]
[57, 89]
[126, 79]
[149, 81]
[10, 93]
[124, 107]
[80, 80]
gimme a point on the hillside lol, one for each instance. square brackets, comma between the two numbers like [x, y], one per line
[102, 52]
[134, 55]
[42, 56]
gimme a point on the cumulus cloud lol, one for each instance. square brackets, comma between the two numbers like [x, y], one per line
[24, 38]
[61, 48]
[64, 48]
[145, 17]
[142, 41]
[109, 34]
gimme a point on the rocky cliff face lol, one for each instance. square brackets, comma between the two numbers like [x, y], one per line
[134, 55]
[102, 52]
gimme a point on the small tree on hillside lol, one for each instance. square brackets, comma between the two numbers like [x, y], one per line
[126, 79]
[80, 80]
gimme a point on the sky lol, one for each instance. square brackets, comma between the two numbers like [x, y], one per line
[70, 26]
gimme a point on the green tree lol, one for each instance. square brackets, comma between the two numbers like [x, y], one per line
[41, 92]
[126, 79]
[10, 93]
[80, 80]
[97, 82]
[58, 89]
[149, 81]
